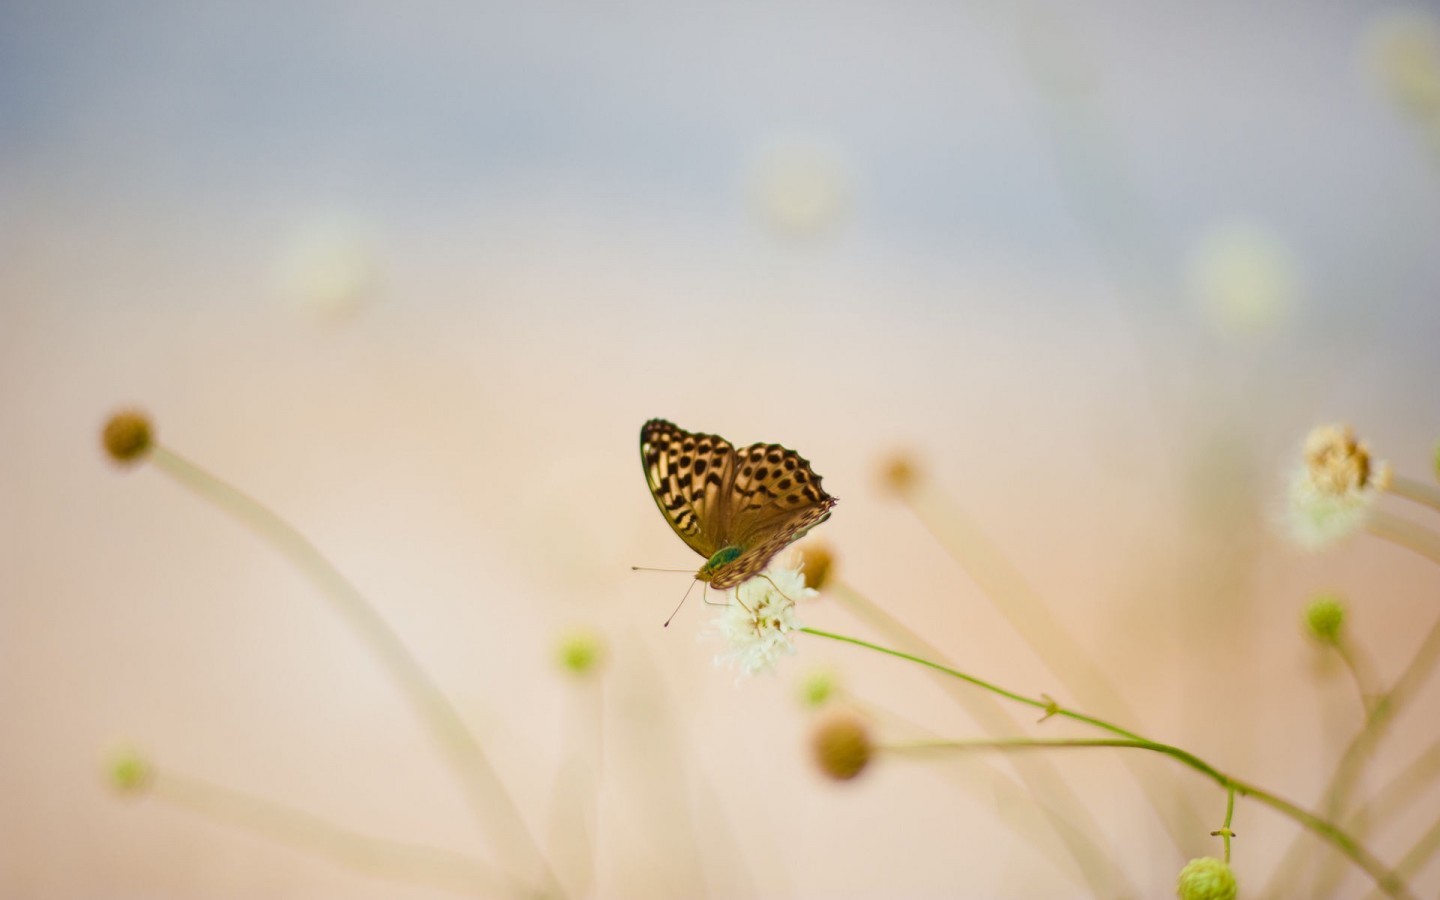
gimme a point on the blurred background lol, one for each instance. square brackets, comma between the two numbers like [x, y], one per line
[414, 278]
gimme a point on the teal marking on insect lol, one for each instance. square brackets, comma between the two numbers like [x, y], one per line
[724, 556]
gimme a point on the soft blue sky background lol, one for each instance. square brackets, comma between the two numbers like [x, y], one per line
[236, 114]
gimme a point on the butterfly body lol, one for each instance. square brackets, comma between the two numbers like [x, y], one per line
[735, 507]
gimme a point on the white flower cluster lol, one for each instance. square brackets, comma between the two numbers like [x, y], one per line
[1334, 488]
[759, 620]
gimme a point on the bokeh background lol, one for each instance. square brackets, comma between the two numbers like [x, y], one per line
[415, 276]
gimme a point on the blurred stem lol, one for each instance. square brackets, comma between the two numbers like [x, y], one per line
[1415, 491]
[492, 804]
[1401, 791]
[1030, 617]
[1386, 706]
[1418, 855]
[1421, 666]
[1361, 673]
[1013, 802]
[1405, 534]
[574, 817]
[385, 859]
[1068, 818]
[1388, 881]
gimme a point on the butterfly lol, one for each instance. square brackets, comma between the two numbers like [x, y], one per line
[736, 508]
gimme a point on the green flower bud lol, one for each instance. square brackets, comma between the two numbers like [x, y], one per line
[817, 688]
[1325, 617]
[580, 652]
[1206, 878]
[129, 772]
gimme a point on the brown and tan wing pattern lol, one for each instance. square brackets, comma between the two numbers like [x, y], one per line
[689, 476]
[775, 499]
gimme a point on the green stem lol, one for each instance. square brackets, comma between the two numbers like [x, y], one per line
[1183, 756]
[1388, 881]
[1225, 833]
[1049, 707]
[1067, 817]
[386, 859]
[492, 804]
[1020, 603]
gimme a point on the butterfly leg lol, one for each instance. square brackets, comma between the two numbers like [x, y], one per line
[777, 588]
[705, 598]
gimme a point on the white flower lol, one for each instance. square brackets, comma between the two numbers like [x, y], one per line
[801, 187]
[1245, 278]
[759, 620]
[1334, 488]
[330, 267]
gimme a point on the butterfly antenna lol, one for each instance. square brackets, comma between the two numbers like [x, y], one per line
[680, 604]
[649, 569]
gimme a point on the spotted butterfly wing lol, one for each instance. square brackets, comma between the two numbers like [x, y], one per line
[736, 508]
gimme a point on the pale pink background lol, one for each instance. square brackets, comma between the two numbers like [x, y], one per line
[556, 210]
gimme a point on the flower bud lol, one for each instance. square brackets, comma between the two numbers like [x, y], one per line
[127, 436]
[816, 561]
[129, 772]
[818, 688]
[841, 746]
[1206, 878]
[580, 653]
[1325, 617]
[899, 473]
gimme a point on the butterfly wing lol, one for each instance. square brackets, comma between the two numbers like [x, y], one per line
[775, 499]
[689, 476]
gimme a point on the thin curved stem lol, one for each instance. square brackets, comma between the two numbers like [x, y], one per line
[1404, 789]
[1049, 707]
[1388, 881]
[385, 859]
[1348, 769]
[1067, 817]
[1362, 674]
[1023, 607]
[492, 804]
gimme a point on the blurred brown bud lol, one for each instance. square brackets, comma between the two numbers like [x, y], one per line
[127, 436]
[841, 746]
[816, 561]
[899, 472]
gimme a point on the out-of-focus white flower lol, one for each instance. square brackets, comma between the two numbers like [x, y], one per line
[1245, 279]
[801, 187]
[1334, 488]
[1403, 49]
[329, 267]
[760, 619]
